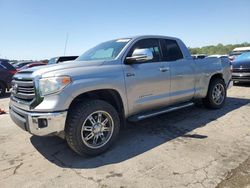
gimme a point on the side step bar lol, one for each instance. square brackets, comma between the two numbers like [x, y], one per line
[161, 111]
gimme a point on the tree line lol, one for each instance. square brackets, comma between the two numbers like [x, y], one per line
[218, 49]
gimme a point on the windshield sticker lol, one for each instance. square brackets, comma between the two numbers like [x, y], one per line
[123, 40]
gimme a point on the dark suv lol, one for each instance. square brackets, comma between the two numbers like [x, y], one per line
[6, 73]
[241, 68]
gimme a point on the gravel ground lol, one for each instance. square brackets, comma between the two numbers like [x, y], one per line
[239, 177]
[193, 147]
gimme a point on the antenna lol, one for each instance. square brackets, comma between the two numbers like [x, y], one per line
[66, 42]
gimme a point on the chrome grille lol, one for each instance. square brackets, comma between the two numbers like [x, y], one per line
[23, 90]
[241, 70]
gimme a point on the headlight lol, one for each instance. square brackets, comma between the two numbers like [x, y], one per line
[53, 84]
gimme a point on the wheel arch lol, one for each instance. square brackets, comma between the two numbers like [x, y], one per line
[111, 96]
[214, 76]
[209, 101]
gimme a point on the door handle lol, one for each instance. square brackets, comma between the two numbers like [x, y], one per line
[164, 69]
[130, 74]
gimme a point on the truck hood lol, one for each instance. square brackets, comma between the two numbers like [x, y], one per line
[52, 69]
[244, 64]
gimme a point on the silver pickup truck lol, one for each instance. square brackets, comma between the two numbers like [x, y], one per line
[87, 101]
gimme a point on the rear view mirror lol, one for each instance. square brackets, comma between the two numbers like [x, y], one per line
[140, 55]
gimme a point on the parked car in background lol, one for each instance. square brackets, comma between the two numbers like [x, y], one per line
[12, 62]
[60, 59]
[238, 51]
[218, 56]
[199, 56]
[31, 65]
[241, 68]
[6, 73]
[19, 65]
[123, 79]
[224, 58]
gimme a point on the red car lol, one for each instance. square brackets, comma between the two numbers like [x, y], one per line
[31, 65]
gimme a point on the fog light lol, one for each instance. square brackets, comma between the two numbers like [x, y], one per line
[42, 123]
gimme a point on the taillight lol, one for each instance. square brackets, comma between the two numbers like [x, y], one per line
[12, 71]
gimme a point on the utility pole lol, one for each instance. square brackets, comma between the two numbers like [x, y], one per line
[66, 42]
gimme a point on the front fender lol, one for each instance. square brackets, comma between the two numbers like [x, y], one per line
[62, 101]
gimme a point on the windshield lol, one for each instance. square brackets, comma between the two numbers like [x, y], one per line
[53, 61]
[104, 51]
[243, 57]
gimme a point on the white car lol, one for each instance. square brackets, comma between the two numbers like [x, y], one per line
[223, 58]
[218, 56]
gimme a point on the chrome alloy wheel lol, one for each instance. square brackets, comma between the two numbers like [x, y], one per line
[97, 129]
[218, 94]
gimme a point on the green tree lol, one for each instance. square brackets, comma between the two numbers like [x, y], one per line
[218, 49]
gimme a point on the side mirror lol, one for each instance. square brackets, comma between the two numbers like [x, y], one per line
[140, 55]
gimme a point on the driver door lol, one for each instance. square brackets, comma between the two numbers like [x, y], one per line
[147, 83]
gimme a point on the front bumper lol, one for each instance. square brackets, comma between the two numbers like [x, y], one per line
[32, 121]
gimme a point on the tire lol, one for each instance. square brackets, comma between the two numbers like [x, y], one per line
[84, 129]
[211, 101]
[2, 89]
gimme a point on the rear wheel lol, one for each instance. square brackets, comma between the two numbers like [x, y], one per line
[216, 95]
[2, 89]
[92, 126]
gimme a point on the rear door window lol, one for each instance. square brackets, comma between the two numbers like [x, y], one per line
[171, 50]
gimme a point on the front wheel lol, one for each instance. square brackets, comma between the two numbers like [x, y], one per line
[216, 95]
[91, 127]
